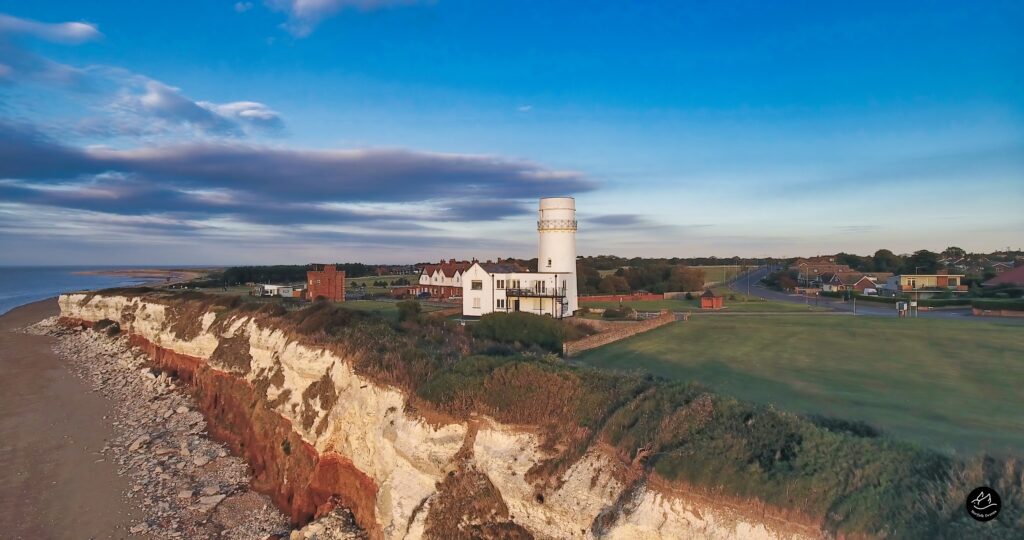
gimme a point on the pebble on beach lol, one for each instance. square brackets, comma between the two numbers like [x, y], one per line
[186, 484]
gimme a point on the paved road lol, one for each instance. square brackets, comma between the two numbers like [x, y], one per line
[752, 283]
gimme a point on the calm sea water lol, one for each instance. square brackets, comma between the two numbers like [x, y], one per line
[20, 285]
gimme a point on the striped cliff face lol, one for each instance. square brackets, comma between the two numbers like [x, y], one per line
[317, 434]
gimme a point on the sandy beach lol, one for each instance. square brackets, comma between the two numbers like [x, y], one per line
[56, 483]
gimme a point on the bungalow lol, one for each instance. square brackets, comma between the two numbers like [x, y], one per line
[852, 281]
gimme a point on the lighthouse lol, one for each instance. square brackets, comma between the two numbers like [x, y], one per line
[556, 227]
[505, 286]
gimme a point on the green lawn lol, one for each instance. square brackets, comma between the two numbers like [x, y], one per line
[951, 385]
[738, 305]
[715, 274]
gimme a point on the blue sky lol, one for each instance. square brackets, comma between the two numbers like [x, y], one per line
[289, 131]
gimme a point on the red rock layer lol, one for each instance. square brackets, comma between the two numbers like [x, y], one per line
[302, 482]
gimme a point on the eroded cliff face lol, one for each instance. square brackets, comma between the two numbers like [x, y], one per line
[317, 434]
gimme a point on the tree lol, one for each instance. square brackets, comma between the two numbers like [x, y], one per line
[612, 284]
[683, 278]
[954, 252]
[922, 261]
[887, 261]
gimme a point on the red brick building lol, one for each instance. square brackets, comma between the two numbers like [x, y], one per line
[325, 281]
[710, 300]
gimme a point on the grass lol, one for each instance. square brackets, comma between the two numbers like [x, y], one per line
[949, 385]
[741, 304]
[716, 274]
[388, 310]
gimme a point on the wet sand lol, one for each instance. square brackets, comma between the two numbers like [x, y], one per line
[54, 483]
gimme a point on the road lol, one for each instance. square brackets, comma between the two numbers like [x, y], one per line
[752, 282]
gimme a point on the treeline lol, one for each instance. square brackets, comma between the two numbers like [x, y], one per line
[285, 273]
[612, 262]
[651, 275]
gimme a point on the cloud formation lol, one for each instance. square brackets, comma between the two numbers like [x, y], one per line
[142, 99]
[259, 185]
[130, 104]
[68, 32]
[18, 63]
[305, 15]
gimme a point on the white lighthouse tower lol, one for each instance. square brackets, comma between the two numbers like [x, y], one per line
[508, 287]
[556, 226]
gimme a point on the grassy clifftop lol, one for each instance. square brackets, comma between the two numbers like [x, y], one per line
[827, 473]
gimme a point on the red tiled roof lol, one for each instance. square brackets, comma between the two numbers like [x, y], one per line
[1009, 277]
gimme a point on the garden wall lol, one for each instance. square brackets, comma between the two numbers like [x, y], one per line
[622, 297]
[612, 332]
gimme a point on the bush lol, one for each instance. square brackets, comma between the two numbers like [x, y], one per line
[689, 296]
[620, 313]
[526, 329]
[997, 304]
[409, 310]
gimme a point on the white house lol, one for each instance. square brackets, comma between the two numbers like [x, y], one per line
[490, 287]
[272, 290]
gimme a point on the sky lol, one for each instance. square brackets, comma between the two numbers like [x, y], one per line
[395, 131]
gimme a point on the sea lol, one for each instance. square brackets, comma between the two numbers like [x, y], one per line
[20, 285]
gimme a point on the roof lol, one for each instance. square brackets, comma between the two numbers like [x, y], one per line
[1009, 277]
[505, 267]
[448, 269]
[708, 293]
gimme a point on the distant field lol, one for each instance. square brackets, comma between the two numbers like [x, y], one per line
[951, 385]
[368, 281]
[715, 274]
[712, 274]
[737, 305]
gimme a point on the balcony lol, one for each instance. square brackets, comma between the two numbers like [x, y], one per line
[535, 293]
[932, 288]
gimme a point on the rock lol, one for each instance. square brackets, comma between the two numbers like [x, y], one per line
[143, 439]
[200, 460]
[211, 500]
[141, 527]
[185, 494]
[210, 490]
[182, 410]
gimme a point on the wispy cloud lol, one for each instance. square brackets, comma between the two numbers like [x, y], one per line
[305, 15]
[67, 32]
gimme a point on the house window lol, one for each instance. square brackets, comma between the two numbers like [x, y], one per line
[501, 283]
[476, 303]
[515, 284]
[501, 303]
[476, 285]
[549, 263]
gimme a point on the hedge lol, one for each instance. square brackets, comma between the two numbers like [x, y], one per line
[1009, 305]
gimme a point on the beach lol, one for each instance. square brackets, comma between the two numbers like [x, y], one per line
[56, 483]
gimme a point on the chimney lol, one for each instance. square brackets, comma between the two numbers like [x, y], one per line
[451, 261]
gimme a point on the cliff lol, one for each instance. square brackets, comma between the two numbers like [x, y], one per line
[316, 434]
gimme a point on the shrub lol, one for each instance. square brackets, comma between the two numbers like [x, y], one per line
[623, 312]
[689, 296]
[525, 329]
[998, 304]
[409, 310]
